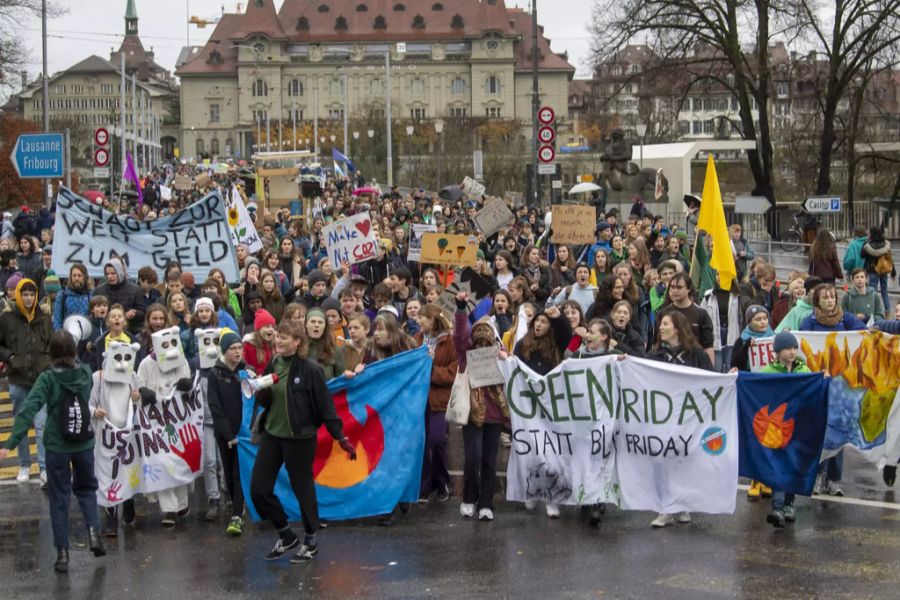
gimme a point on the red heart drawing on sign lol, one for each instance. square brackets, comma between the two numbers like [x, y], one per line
[364, 227]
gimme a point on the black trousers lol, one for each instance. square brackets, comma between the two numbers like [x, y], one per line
[482, 445]
[232, 470]
[297, 458]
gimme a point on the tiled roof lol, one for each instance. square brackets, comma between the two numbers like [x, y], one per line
[260, 18]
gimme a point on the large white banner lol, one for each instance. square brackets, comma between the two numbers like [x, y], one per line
[641, 434]
[162, 450]
[198, 237]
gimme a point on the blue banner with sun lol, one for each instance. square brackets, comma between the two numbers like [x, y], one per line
[383, 412]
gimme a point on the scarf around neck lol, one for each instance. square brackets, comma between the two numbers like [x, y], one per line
[748, 333]
[829, 319]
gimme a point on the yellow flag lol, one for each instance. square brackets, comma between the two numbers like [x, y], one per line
[712, 221]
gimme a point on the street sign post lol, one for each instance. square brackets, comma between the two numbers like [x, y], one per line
[101, 157]
[39, 155]
[546, 134]
[101, 136]
[546, 154]
[822, 204]
[751, 205]
[546, 115]
[547, 169]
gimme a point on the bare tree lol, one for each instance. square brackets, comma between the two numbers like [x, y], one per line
[14, 15]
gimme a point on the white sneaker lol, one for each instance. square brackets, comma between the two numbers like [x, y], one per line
[684, 517]
[552, 510]
[662, 520]
[505, 440]
[485, 514]
[530, 504]
[24, 474]
[833, 489]
[819, 485]
[43, 478]
[467, 510]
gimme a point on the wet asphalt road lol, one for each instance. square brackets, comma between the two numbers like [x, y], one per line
[835, 550]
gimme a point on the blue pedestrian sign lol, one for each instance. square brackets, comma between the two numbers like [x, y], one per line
[39, 155]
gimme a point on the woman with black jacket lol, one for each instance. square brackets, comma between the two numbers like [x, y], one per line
[227, 408]
[294, 408]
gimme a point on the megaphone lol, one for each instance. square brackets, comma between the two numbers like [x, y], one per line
[79, 327]
[251, 386]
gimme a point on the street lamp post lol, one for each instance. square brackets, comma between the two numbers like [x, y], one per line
[641, 130]
[439, 129]
[410, 129]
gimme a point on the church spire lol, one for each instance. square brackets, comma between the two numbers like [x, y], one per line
[131, 19]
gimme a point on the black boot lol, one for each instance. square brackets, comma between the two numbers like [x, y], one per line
[128, 512]
[95, 542]
[62, 561]
[111, 523]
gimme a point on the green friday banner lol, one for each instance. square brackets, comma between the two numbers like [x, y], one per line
[640, 434]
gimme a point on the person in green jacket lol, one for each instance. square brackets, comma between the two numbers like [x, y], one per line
[861, 299]
[786, 361]
[853, 258]
[70, 464]
[802, 309]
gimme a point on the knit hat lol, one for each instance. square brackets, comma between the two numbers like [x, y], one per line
[681, 234]
[13, 280]
[601, 226]
[204, 302]
[251, 260]
[187, 280]
[753, 310]
[263, 318]
[785, 340]
[480, 254]
[228, 339]
[389, 309]
[316, 276]
[316, 311]
[51, 283]
[331, 304]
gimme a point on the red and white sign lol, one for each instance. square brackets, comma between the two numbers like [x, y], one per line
[101, 157]
[762, 352]
[546, 134]
[546, 115]
[546, 154]
[101, 137]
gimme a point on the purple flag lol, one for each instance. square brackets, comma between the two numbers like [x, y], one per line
[131, 175]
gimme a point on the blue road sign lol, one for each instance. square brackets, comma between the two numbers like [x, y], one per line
[39, 155]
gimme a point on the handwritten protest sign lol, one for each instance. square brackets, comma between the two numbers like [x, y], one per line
[573, 224]
[493, 216]
[468, 281]
[351, 239]
[415, 240]
[762, 352]
[481, 367]
[161, 450]
[198, 237]
[446, 249]
[472, 188]
[243, 231]
[183, 183]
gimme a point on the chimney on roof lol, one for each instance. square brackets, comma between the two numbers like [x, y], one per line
[24, 75]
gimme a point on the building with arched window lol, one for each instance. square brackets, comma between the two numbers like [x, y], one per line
[264, 68]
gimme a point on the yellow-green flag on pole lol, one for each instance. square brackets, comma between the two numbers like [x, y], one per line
[712, 221]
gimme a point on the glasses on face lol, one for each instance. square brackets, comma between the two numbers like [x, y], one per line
[678, 287]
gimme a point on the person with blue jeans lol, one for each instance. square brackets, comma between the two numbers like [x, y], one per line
[872, 251]
[24, 347]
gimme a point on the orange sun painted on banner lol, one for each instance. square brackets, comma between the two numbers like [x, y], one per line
[771, 429]
[332, 466]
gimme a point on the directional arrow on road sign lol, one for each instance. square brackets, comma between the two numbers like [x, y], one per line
[751, 205]
[822, 204]
[39, 155]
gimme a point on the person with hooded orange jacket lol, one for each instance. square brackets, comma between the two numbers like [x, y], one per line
[25, 348]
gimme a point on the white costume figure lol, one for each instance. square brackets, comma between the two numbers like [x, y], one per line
[113, 386]
[160, 372]
[209, 353]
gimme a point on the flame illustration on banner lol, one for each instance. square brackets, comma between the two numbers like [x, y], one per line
[331, 466]
[771, 429]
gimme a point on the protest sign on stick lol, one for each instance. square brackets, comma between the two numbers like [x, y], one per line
[447, 249]
[493, 216]
[573, 224]
[415, 240]
[472, 188]
[351, 239]
[481, 367]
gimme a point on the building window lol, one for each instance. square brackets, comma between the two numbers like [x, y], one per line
[417, 113]
[106, 88]
[708, 126]
[323, 8]
[213, 113]
[214, 146]
[77, 89]
[417, 87]
[457, 22]
[781, 89]
[437, 6]
[362, 8]
[418, 22]
[492, 85]
[399, 7]
[260, 88]
[684, 127]
[380, 23]
[201, 147]
[458, 86]
[260, 116]
[635, 69]
[340, 24]
[492, 111]
[378, 113]
[302, 24]
[458, 111]
[60, 89]
[336, 87]
[295, 88]
[376, 87]
[336, 114]
[697, 127]
[295, 115]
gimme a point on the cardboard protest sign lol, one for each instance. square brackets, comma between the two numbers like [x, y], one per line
[472, 188]
[201, 181]
[198, 237]
[493, 216]
[183, 183]
[415, 240]
[762, 352]
[447, 249]
[351, 239]
[243, 231]
[481, 367]
[573, 224]
[469, 281]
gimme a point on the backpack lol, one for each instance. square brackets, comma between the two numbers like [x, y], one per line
[75, 417]
[884, 264]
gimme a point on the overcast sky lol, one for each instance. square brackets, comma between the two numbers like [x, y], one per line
[95, 26]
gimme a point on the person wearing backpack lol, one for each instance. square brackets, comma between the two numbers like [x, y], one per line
[853, 258]
[876, 253]
[64, 390]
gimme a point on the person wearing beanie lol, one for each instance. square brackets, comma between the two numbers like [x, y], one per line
[25, 348]
[786, 361]
[189, 287]
[802, 309]
[226, 405]
[252, 303]
[321, 347]
[9, 301]
[337, 323]
[603, 234]
[259, 344]
[318, 289]
[52, 287]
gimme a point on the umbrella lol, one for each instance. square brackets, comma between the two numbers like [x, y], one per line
[451, 193]
[584, 187]
[691, 199]
[94, 196]
[364, 190]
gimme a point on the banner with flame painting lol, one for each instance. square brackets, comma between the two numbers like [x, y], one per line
[383, 412]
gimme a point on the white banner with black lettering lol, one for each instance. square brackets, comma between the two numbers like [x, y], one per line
[162, 450]
[198, 237]
[641, 434]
